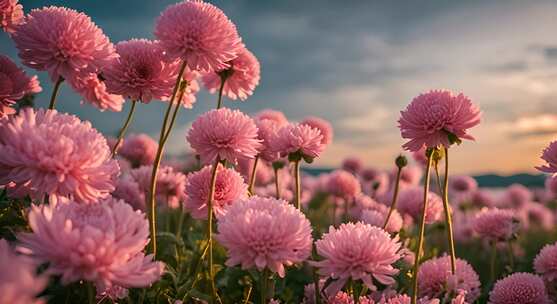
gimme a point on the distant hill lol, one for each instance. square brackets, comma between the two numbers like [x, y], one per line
[485, 180]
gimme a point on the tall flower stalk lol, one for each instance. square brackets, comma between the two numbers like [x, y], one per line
[421, 232]
[400, 162]
[297, 185]
[55, 91]
[447, 209]
[276, 167]
[124, 128]
[252, 177]
[210, 226]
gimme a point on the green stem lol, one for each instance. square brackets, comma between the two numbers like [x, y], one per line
[181, 91]
[124, 128]
[252, 177]
[180, 221]
[90, 293]
[277, 185]
[298, 185]
[316, 277]
[511, 254]
[55, 92]
[395, 197]
[447, 208]
[210, 226]
[153, 187]
[248, 294]
[264, 285]
[438, 179]
[197, 270]
[221, 88]
[492, 263]
[421, 232]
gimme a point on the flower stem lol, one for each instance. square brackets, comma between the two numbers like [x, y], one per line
[124, 128]
[447, 208]
[221, 88]
[210, 226]
[90, 293]
[181, 91]
[248, 294]
[197, 269]
[252, 177]
[315, 277]
[157, 162]
[264, 285]
[298, 186]
[395, 198]
[421, 232]
[277, 185]
[492, 262]
[55, 92]
[511, 254]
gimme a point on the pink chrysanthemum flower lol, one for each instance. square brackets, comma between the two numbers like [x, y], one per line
[301, 139]
[344, 185]
[436, 281]
[170, 184]
[482, 198]
[265, 233]
[545, 262]
[411, 202]
[94, 92]
[420, 156]
[409, 176]
[352, 164]
[495, 224]
[376, 179]
[46, 152]
[128, 190]
[101, 243]
[18, 282]
[519, 288]
[516, 195]
[63, 42]
[141, 72]
[14, 85]
[263, 174]
[536, 215]
[11, 15]
[363, 202]
[377, 218]
[242, 77]
[200, 34]
[462, 184]
[358, 252]
[549, 155]
[267, 132]
[405, 299]
[224, 134]
[139, 150]
[432, 119]
[276, 116]
[229, 188]
[322, 125]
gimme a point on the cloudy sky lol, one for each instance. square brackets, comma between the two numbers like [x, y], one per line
[358, 63]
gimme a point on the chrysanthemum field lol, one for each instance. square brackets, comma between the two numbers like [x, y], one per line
[89, 218]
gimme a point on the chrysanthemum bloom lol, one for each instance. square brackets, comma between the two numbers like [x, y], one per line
[139, 149]
[241, 77]
[411, 202]
[377, 179]
[545, 262]
[128, 190]
[18, 282]
[420, 156]
[229, 188]
[363, 202]
[224, 134]
[409, 176]
[437, 118]
[267, 132]
[358, 252]
[298, 139]
[536, 215]
[263, 173]
[46, 152]
[519, 288]
[343, 184]
[377, 218]
[200, 34]
[495, 224]
[549, 155]
[405, 299]
[94, 92]
[273, 115]
[516, 196]
[11, 15]
[101, 243]
[462, 184]
[436, 281]
[170, 184]
[63, 42]
[482, 198]
[352, 164]
[141, 72]
[264, 233]
[322, 125]
[14, 85]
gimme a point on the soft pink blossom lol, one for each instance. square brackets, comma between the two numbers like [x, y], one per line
[433, 117]
[358, 252]
[322, 125]
[11, 15]
[516, 195]
[536, 215]
[241, 77]
[93, 90]
[263, 173]
[376, 217]
[19, 283]
[549, 155]
[267, 132]
[224, 134]
[519, 288]
[411, 201]
[14, 85]
[352, 164]
[63, 42]
[128, 190]
[545, 262]
[200, 34]
[46, 152]
[101, 243]
[495, 224]
[276, 116]
[229, 188]
[462, 184]
[170, 187]
[265, 233]
[435, 279]
[300, 139]
[343, 184]
[409, 176]
[139, 149]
